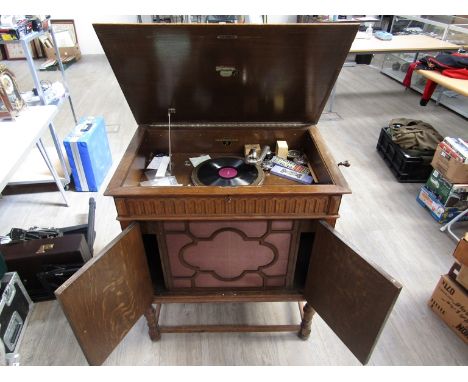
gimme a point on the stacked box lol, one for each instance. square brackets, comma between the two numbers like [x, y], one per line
[439, 212]
[445, 193]
[451, 160]
[461, 254]
[450, 302]
[450, 297]
[89, 154]
[462, 277]
[449, 194]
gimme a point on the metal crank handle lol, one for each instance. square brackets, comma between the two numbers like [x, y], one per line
[344, 163]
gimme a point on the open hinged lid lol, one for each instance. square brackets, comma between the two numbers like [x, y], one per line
[226, 73]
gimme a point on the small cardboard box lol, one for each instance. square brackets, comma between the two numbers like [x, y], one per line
[461, 252]
[449, 194]
[282, 149]
[439, 212]
[451, 169]
[450, 302]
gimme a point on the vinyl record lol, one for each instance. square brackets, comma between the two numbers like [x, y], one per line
[227, 172]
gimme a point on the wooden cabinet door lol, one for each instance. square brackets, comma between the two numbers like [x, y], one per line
[351, 295]
[105, 298]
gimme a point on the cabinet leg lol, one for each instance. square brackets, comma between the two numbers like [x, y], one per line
[152, 318]
[306, 323]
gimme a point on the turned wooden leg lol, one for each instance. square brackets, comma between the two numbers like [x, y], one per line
[306, 323]
[152, 317]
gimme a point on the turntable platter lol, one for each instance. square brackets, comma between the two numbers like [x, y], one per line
[227, 172]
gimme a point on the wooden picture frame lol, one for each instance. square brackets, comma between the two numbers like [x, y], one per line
[65, 25]
[38, 51]
[10, 98]
[14, 51]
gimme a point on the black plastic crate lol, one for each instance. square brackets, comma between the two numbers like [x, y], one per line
[408, 166]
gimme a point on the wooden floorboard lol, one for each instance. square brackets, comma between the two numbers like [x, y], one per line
[381, 218]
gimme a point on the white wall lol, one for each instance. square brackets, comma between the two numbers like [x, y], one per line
[89, 43]
[87, 39]
[282, 19]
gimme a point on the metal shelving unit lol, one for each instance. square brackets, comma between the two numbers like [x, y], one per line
[25, 43]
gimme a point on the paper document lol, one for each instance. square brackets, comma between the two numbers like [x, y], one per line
[166, 181]
[162, 167]
[197, 160]
[154, 164]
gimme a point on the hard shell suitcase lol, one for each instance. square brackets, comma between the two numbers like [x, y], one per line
[34, 257]
[15, 306]
[89, 154]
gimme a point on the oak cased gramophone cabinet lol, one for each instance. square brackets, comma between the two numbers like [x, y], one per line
[212, 90]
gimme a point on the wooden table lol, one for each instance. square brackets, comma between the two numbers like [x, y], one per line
[454, 84]
[19, 136]
[406, 43]
[398, 44]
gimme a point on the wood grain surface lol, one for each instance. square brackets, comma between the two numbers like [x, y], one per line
[275, 198]
[456, 84]
[191, 142]
[351, 295]
[279, 72]
[108, 295]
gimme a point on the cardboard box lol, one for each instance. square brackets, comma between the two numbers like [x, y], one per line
[459, 273]
[462, 277]
[282, 149]
[89, 154]
[452, 170]
[73, 51]
[65, 51]
[449, 194]
[461, 252]
[439, 212]
[450, 302]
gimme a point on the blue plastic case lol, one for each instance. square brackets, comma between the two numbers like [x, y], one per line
[88, 153]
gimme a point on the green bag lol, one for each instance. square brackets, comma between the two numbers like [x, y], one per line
[413, 134]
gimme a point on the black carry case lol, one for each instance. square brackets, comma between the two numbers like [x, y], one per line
[44, 264]
[30, 259]
[408, 166]
[86, 229]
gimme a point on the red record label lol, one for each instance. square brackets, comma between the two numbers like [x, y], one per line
[228, 172]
